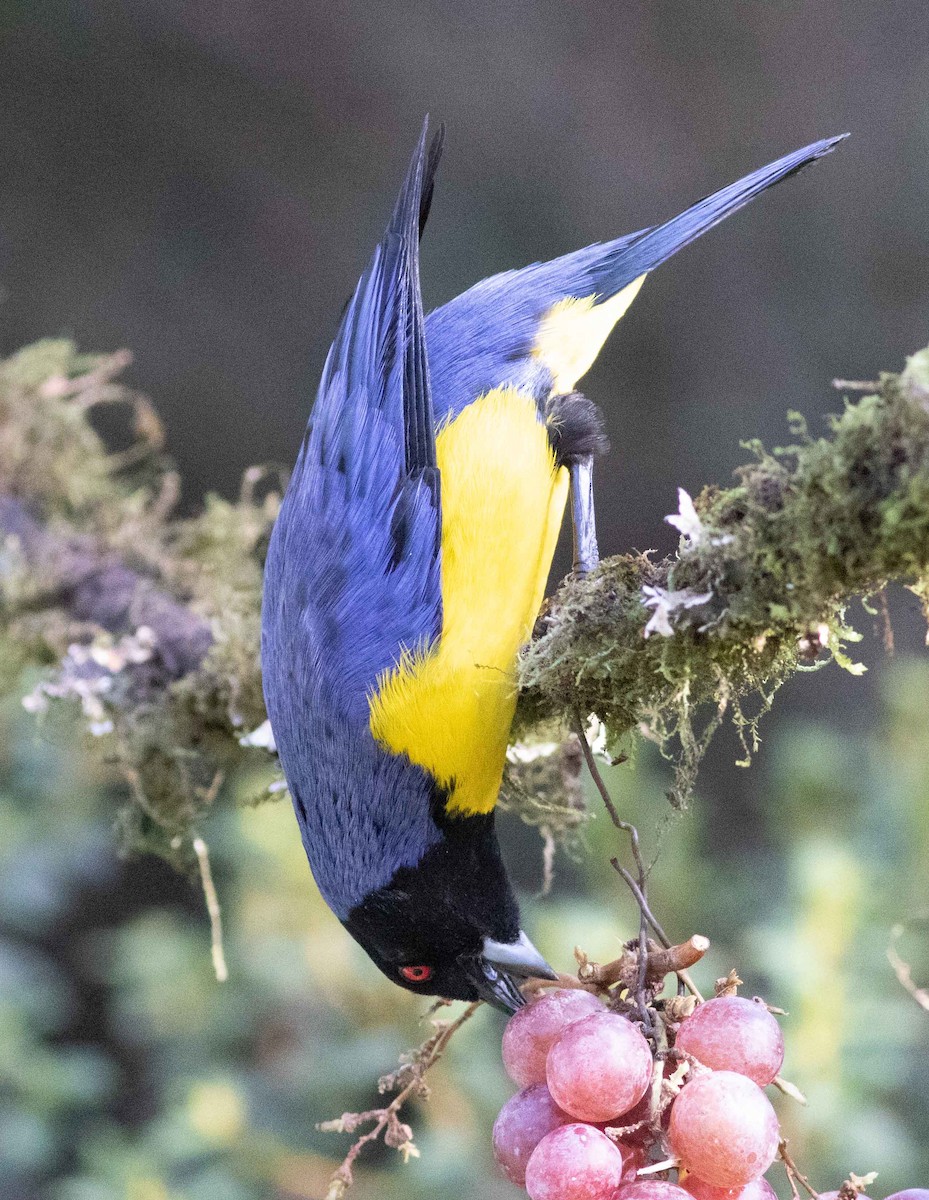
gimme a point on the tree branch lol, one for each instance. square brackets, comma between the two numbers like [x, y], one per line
[758, 588]
[151, 622]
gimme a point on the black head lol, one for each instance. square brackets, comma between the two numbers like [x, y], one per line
[450, 925]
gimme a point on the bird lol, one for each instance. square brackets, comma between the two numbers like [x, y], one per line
[407, 566]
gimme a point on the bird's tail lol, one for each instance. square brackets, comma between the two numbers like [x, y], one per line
[657, 244]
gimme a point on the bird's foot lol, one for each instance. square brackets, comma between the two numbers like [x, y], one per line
[586, 552]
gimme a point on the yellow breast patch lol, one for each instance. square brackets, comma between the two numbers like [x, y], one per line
[573, 330]
[503, 498]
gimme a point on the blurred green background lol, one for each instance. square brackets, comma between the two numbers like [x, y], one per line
[128, 1073]
[202, 181]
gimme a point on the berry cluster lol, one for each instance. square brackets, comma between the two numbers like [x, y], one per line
[597, 1107]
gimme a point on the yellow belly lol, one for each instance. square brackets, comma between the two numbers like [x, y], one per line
[503, 499]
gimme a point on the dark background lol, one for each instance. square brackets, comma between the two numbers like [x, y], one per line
[203, 182]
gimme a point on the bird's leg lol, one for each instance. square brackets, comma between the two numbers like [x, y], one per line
[575, 429]
[586, 554]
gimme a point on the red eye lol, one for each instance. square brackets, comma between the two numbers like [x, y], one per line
[416, 974]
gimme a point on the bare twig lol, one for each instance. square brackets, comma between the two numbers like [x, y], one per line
[856, 385]
[639, 889]
[637, 885]
[386, 1120]
[678, 958]
[641, 900]
[903, 970]
[212, 908]
[794, 1175]
[626, 970]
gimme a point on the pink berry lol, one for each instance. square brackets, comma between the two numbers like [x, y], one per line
[575, 1162]
[599, 1067]
[758, 1189]
[731, 1033]
[723, 1129]
[651, 1189]
[910, 1194]
[521, 1124]
[531, 1030]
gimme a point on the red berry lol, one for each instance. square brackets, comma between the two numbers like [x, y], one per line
[723, 1129]
[531, 1030]
[651, 1189]
[599, 1067]
[758, 1189]
[575, 1162]
[731, 1033]
[521, 1124]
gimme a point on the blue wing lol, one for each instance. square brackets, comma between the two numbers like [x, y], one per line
[487, 336]
[352, 576]
[353, 567]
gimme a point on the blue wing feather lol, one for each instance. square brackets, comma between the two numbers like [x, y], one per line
[359, 529]
[352, 577]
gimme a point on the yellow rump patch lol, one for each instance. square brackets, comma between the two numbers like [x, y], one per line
[573, 331]
[503, 498]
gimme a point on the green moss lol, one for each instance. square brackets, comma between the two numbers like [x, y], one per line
[170, 744]
[778, 559]
[49, 451]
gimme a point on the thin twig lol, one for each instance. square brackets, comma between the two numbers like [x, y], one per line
[387, 1119]
[639, 890]
[212, 907]
[641, 901]
[595, 774]
[636, 886]
[856, 385]
[794, 1175]
[644, 1014]
[904, 971]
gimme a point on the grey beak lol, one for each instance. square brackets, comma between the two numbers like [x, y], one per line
[518, 958]
[502, 964]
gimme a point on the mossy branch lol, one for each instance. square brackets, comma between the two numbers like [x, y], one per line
[147, 621]
[150, 622]
[759, 586]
